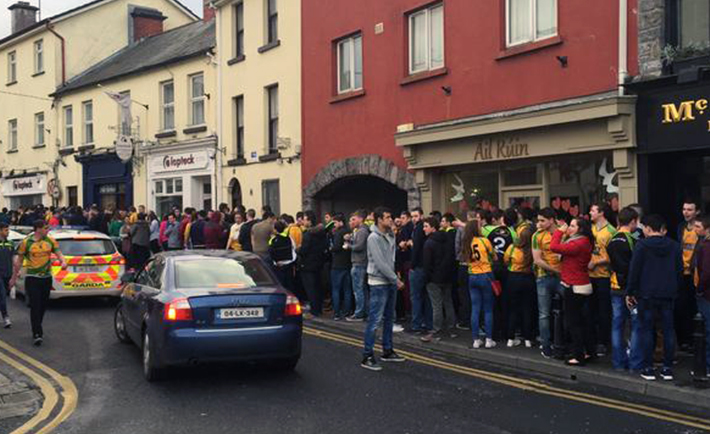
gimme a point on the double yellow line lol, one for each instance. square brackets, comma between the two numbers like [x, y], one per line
[531, 385]
[60, 394]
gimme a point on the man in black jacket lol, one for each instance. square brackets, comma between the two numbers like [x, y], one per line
[421, 306]
[438, 263]
[341, 287]
[311, 257]
[245, 231]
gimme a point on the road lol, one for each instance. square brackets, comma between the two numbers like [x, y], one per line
[328, 392]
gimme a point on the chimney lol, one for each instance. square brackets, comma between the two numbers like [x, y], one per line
[145, 22]
[208, 11]
[23, 15]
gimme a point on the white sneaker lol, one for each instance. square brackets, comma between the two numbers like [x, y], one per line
[7, 323]
[490, 343]
[528, 344]
[513, 343]
[477, 344]
[397, 328]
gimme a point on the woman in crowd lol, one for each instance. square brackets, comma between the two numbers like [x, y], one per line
[575, 243]
[125, 235]
[233, 239]
[154, 232]
[480, 254]
[521, 288]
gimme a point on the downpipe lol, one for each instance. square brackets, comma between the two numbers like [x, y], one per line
[699, 361]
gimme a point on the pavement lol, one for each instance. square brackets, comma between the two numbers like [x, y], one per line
[20, 398]
[432, 392]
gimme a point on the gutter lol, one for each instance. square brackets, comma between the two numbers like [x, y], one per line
[623, 44]
[50, 27]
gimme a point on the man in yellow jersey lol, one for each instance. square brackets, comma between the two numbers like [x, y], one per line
[547, 271]
[686, 305]
[600, 275]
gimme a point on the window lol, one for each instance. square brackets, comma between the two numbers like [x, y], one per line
[99, 247]
[238, 12]
[272, 22]
[271, 196]
[239, 125]
[168, 195]
[530, 20]
[12, 135]
[68, 127]
[273, 115]
[87, 109]
[167, 94]
[39, 129]
[125, 124]
[39, 56]
[12, 67]
[694, 23]
[426, 39]
[73, 195]
[350, 64]
[197, 99]
[221, 274]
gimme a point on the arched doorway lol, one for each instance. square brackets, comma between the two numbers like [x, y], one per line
[360, 192]
[235, 192]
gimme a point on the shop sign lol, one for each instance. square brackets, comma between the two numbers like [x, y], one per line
[500, 148]
[24, 186]
[180, 162]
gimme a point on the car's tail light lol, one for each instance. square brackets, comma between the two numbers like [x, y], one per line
[178, 310]
[293, 306]
[120, 260]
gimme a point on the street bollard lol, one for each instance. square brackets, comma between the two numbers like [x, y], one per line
[699, 362]
[559, 330]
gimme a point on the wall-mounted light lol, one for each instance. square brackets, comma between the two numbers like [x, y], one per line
[563, 61]
[447, 90]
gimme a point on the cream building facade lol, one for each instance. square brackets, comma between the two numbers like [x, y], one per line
[36, 60]
[259, 88]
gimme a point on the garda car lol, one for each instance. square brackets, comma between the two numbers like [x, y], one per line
[187, 307]
[94, 266]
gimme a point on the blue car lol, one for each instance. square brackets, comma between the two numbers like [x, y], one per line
[189, 307]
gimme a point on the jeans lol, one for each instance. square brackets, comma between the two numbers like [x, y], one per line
[358, 274]
[479, 286]
[648, 309]
[4, 286]
[311, 283]
[37, 289]
[340, 285]
[442, 306]
[521, 293]
[421, 307]
[382, 307]
[704, 308]
[601, 310]
[619, 349]
[547, 286]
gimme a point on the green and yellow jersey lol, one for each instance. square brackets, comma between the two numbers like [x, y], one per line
[37, 255]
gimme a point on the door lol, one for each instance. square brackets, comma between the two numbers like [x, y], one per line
[522, 198]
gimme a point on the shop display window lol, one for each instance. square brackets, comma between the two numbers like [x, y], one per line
[469, 189]
[577, 182]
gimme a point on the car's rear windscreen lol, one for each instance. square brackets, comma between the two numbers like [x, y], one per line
[221, 273]
[87, 247]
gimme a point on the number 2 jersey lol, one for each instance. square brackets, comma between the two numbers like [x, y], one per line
[502, 237]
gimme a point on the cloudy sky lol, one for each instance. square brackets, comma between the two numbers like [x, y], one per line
[53, 7]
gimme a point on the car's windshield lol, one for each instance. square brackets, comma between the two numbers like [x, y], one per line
[86, 247]
[221, 273]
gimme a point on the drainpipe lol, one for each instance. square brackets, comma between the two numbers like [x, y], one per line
[218, 160]
[64, 57]
[623, 44]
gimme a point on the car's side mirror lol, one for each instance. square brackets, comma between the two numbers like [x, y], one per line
[128, 277]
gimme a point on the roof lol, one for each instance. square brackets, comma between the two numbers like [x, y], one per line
[172, 46]
[79, 8]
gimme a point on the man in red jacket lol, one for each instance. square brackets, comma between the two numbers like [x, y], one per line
[702, 279]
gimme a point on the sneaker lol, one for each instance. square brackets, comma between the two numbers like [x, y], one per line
[601, 350]
[7, 323]
[427, 337]
[666, 374]
[37, 341]
[477, 344]
[546, 352]
[490, 343]
[462, 326]
[397, 328]
[391, 356]
[648, 374]
[513, 343]
[528, 344]
[369, 362]
[337, 318]
[354, 318]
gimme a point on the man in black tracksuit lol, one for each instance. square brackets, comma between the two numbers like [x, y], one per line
[311, 257]
[421, 306]
[438, 263]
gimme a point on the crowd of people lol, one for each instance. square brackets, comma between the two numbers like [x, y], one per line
[618, 278]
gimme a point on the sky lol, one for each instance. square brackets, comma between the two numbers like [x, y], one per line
[53, 7]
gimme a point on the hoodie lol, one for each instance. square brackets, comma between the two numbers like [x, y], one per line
[359, 246]
[656, 269]
[438, 259]
[380, 258]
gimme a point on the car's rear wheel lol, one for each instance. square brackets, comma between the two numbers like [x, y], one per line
[151, 371]
[119, 325]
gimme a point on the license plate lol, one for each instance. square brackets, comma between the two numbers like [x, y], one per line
[241, 313]
[87, 269]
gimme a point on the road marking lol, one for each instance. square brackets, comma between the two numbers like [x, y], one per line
[531, 385]
[68, 391]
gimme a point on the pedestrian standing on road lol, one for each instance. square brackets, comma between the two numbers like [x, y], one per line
[7, 251]
[702, 273]
[384, 283]
[685, 306]
[358, 272]
[600, 276]
[125, 236]
[655, 278]
[547, 270]
[311, 257]
[140, 242]
[421, 306]
[521, 288]
[341, 286]
[438, 263]
[480, 254]
[36, 252]
[282, 255]
[575, 243]
[620, 251]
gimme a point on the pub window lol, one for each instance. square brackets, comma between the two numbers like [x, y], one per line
[530, 20]
[694, 23]
[73, 196]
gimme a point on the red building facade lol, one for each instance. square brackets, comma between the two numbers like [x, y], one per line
[454, 103]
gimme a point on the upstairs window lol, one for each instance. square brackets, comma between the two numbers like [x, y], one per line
[68, 127]
[11, 67]
[197, 99]
[239, 125]
[426, 39]
[87, 109]
[272, 95]
[12, 135]
[167, 95]
[530, 20]
[272, 22]
[39, 56]
[694, 23]
[238, 12]
[350, 64]
[39, 129]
